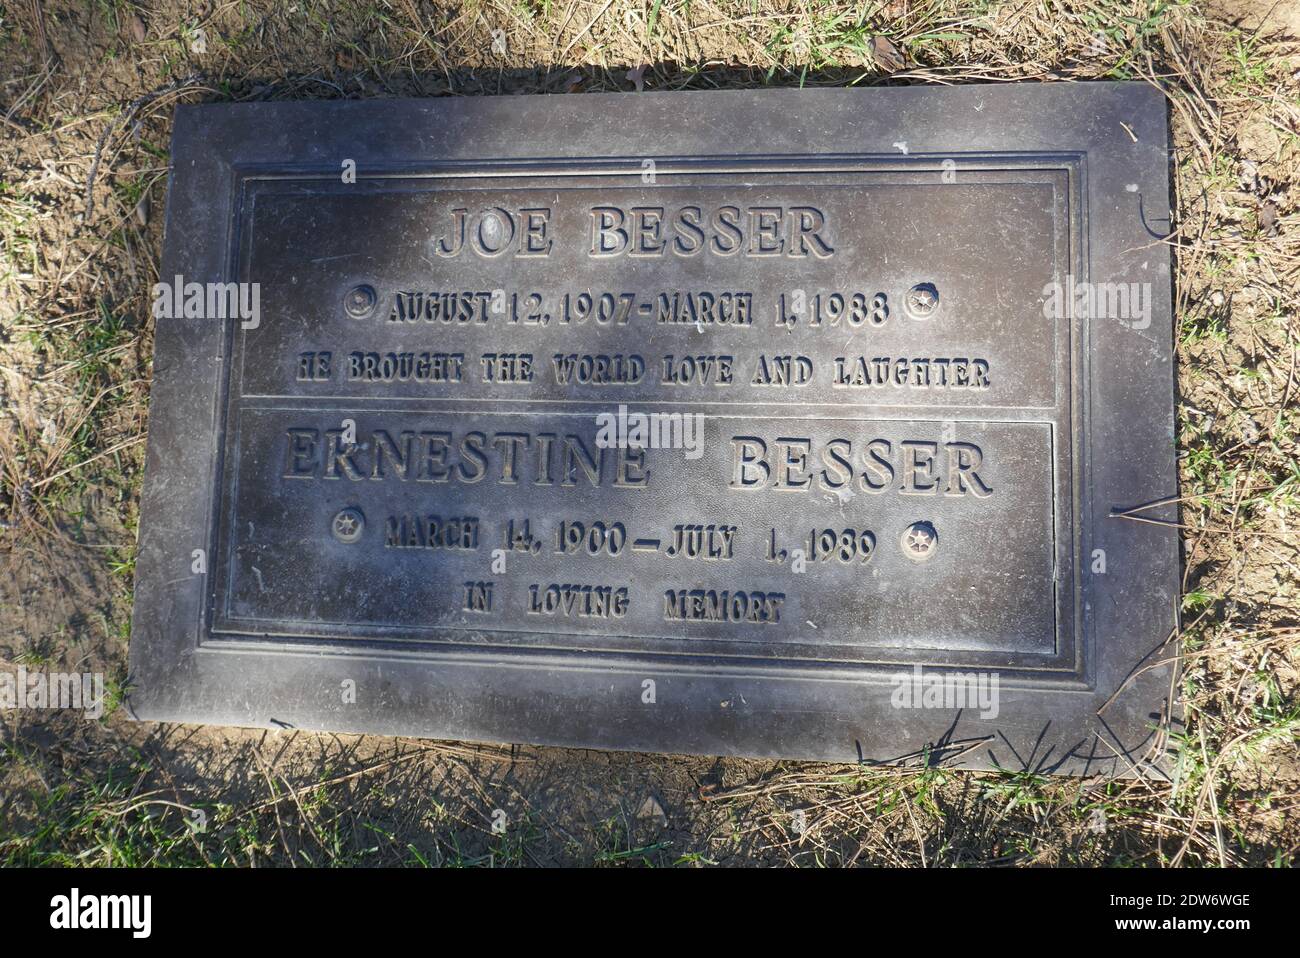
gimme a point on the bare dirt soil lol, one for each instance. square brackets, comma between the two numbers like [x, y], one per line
[86, 93]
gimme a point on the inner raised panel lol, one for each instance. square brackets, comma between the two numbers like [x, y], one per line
[994, 479]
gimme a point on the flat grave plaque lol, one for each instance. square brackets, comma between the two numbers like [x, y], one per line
[785, 423]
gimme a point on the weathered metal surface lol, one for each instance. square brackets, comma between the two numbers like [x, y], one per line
[900, 354]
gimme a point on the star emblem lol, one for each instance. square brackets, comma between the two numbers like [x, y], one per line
[347, 525]
[919, 540]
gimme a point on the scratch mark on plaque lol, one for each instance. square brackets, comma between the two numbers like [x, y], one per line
[257, 573]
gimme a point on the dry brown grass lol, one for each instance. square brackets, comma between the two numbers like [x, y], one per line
[86, 90]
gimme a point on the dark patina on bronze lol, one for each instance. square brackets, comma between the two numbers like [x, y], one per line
[708, 423]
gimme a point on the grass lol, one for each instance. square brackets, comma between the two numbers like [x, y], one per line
[74, 369]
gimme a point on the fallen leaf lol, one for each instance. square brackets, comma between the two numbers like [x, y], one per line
[1268, 219]
[886, 55]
